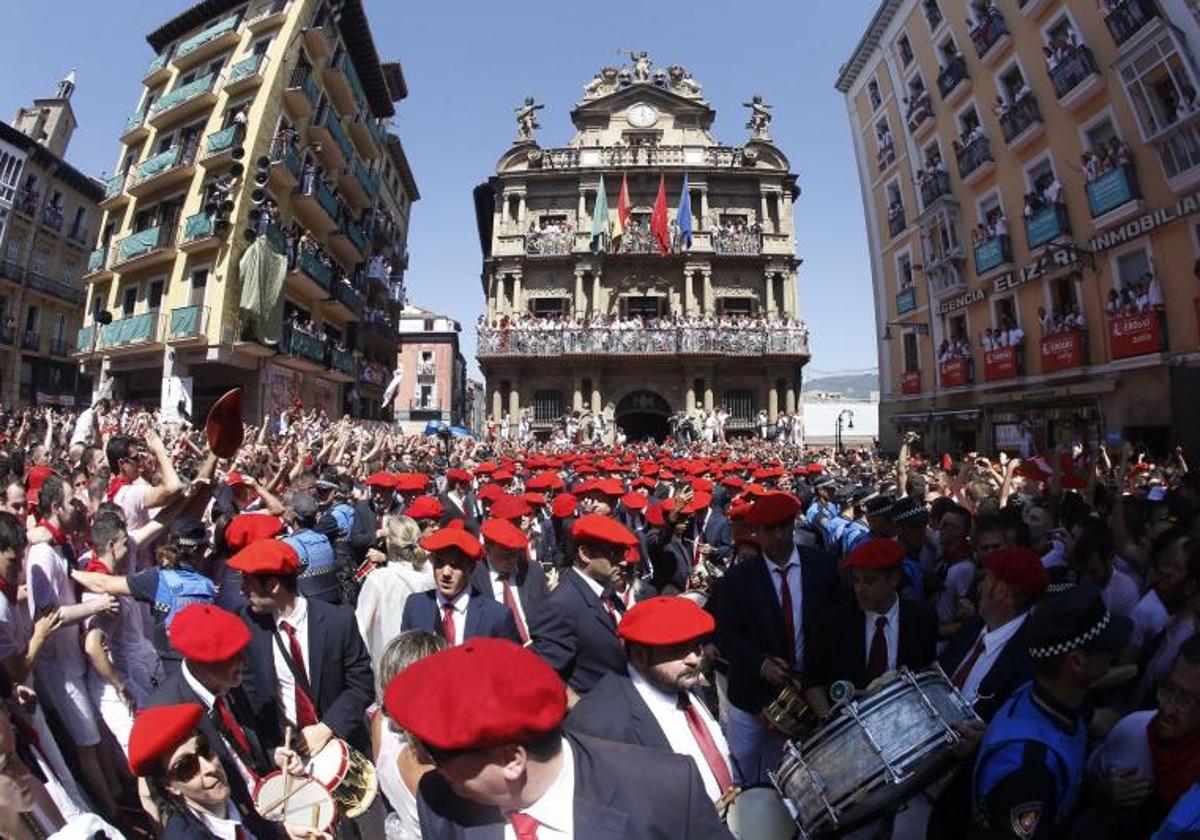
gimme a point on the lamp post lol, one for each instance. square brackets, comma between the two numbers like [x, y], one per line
[846, 415]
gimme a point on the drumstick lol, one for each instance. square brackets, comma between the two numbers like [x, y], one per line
[287, 775]
[272, 806]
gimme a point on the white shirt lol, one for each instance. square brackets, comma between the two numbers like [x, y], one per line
[1149, 618]
[208, 700]
[664, 706]
[993, 645]
[50, 585]
[591, 584]
[792, 570]
[460, 612]
[1126, 748]
[891, 632]
[298, 618]
[555, 810]
[1121, 593]
[498, 587]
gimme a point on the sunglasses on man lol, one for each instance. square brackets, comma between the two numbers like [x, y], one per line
[186, 768]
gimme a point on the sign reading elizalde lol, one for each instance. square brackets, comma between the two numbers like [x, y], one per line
[1054, 257]
[1143, 224]
[959, 301]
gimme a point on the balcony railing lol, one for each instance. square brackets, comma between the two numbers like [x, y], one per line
[220, 141]
[1019, 117]
[1127, 19]
[951, 75]
[1112, 189]
[284, 152]
[197, 226]
[754, 341]
[741, 242]
[713, 157]
[945, 279]
[136, 329]
[134, 122]
[144, 242]
[344, 361]
[352, 231]
[1069, 73]
[183, 94]
[896, 222]
[58, 346]
[549, 243]
[52, 217]
[302, 77]
[989, 31]
[324, 196]
[1047, 224]
[974, 155]
[30, 340]
[935, 185]
[188, 322]
[330, 121]
[919, 110]
[309, 263]
[57, 288]
[97, 260]
[906, 300]
[26, 202]
[173, 158]
[299, 343]
[246, 68]
[201, 38]
[992, 253]
[156, 64]
[115, 185]
[348, 296]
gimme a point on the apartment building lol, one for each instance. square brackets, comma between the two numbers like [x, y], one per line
[255, 231]
[1029, 174]
[433, 388]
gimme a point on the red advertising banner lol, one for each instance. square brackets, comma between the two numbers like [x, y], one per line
[1133, 335]
[1002, 363]
[955, 373]
[910, 382]
[1062, 351]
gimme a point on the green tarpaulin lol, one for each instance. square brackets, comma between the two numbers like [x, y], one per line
[263, 271]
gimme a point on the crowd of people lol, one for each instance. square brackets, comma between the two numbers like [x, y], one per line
[1046, 193]
[954, 347]
[550, 237]
[995, 225]
[986, 24]
[1066, 319]
[1008, 334]
[532, 640]
[1108, 156]
[1135, 298]
[737, 236]
[1061, 47]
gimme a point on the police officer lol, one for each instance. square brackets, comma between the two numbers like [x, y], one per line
[319, 578]
[1030, 765]
[910, 518]
[821, 510]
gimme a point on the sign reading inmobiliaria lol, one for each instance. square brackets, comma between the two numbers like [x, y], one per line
[1133, 335]
[955, 373]
[1002, 363]
[1062, 351]
[910, 382]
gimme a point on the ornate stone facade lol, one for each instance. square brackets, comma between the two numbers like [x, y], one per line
[563, 291]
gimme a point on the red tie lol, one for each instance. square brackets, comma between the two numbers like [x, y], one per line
[525, 825]
[712, 755]
[877, 659]
[231, 725]
[448, 625]
[306, 713]
[789, 622]
[510, 601]
[964, 670]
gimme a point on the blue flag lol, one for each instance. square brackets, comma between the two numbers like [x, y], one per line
[683, 218]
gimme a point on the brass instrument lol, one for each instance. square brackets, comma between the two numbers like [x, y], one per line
[348, 775]
[703, 576]
[788, 714]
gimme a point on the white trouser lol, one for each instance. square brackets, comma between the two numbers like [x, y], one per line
[60, 784]
[755, 750]
[113, 711]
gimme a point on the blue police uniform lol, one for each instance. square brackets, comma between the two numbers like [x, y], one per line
[914, 577]
[852, 536]
[168, 591]
[318, 575]
[1029, 768]
[1184, 819]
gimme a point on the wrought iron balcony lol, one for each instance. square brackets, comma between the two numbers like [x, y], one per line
[935, 185]
[974, 155]
[1019, 117]
[1071, 72]
[57, 288]
[992, 253]
[1128, 18]
[989, 32]
[1112, 189]
[1047, 224]
[549, 243]
[950, 76]
[746, 243]
[52, 217]
[301, 94]
[658, 157]
[602, 341]
[896, 221]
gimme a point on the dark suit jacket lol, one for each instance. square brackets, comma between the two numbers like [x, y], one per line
[670, 559]
[1011, 669]
[838, 649]
[174, 690]
[362, 532]
[719, 534]
[575, 634]
[339, 671]
[621, 792]
[614, 711]
[485, 617]
[528, 578]
[750, 623]
[452, 511]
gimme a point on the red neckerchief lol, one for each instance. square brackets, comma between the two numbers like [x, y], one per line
[56, 534]
[115, 485]
[8, 589]
[95, 564]
[1176, 765]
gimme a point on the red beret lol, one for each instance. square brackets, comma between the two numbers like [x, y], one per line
[223, 427]
[532, 499]
[665, 621]
[235, 479]
[490, 692]
[158, 731]
[266, 557]
[732, 482]
[35, 478]
[814, 469]
[544, 481]
[654, 514]
[246, 528]
[647, 483]
[458, 475]
[381, 479]
[634, 501]
[702, 485]
[490, 492]
[1020, 568]
[699, 502]
[425, 507]
[458, 539]
[564, 505]
[504, 534]
[736, 512]
[485, 468]
[411, 482]
[875, 554]
[207, 633]
[502, 475]
[773, 508]
[509, 507]
[601, 529]
[585, 469]
[648, 468]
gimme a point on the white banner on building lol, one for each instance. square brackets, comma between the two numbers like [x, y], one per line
[176, 394]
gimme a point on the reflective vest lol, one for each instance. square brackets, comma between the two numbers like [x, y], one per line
[177, 588]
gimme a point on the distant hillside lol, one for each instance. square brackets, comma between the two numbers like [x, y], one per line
[853, 386]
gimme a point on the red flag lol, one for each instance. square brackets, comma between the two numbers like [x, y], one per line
[622, 223]
[658, 219]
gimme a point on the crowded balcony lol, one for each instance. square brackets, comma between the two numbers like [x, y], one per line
[347, 303]
[316, 205]
[1064, 350]
[945, 279]
[348, 242]
[1125, 18]
[989, 33]
[1046, 223]
[737, 238]
[951, 77]
[300, 97]
[1021, 121]
[377, 323]
[975, 157]
[1074, 73]
[920, 113]
[314, 271]
[637, 239]
[426, 369]
[1112, 183]
[199, 233]
[26, 202]
[554, 239]
[343, 85]
[736, 336]
[934, 183]
[187, 322]
[246, 74]
[185, 100]
[300, 342]
[162, 170]
[379, 270]
[342, 361]
[150, 246]
[957, 372]
[283, 168]
[992, 252]
[896, 221]
[1136, 317]
[207, 43]
[64, 291]
[656, 157]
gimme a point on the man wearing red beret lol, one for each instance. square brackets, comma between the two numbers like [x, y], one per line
[454, 609]
[458, 500]
[877, 633]
[576, 630]
[506, 770]
[507, 575]
[655, 706]
[367, 528]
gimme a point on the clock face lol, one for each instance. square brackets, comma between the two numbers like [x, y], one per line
[642, 115]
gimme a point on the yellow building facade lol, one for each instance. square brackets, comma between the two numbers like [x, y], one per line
[260, 120]
[1029, 173]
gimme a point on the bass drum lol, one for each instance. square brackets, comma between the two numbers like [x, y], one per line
[299, 801]
[348, 775]
[758, 813]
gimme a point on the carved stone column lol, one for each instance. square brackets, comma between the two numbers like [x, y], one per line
[773, 403]
[580, 302]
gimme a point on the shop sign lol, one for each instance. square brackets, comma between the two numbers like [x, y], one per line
[1002, 363]
[1142, 225]
[960, 301]
[1062, 351]
[1133, 335]
[910, 382]
[906, 301]
[1054, 257]
[955, 373]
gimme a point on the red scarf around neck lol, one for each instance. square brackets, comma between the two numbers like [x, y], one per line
[115, 485]
[1176, 765]
[56, 534]
[9, 590]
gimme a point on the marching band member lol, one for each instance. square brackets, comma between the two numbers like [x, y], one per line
[507, 575]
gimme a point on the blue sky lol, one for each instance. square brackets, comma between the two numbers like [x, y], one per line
[469, 63]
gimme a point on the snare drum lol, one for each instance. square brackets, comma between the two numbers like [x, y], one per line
[347, 774]
[874, 754]
[757, 813]
[309, 806]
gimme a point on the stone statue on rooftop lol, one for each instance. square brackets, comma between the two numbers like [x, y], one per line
[682, 81]
[760, 117]
[527, 120]
[641, 64]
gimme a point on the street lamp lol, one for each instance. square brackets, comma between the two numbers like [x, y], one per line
[846, 415]
[918, 327]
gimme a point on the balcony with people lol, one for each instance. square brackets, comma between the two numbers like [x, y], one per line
[988, 30]
[1072, 67]
[896, 219]
[301, 95]
[1162, 85]
[1136, 312]
[918, 112]
[1064, 338]
[956, 364]
[1003, 351]
[738, 237]
[933, 181]
[1020, 118]
[952, 76]
[1126, 18]
[974, 154]
[1045, 212]
[550, 238]
[993, 247]
[885, 154]
[1112, 183]
[157, 172]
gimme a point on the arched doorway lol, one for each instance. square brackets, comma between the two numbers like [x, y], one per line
[643, 415]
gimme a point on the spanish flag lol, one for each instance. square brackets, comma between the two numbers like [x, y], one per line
[622, 220]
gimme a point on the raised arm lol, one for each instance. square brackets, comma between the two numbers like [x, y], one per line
[171, 486]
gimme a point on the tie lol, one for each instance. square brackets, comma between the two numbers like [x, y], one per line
[510, 601]
[306, 713]
[789, 622]
[877, 659]
[964, 670]
[232, 727]
[615, 614]
[712, 755]
[525, 825]
[448, 624]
